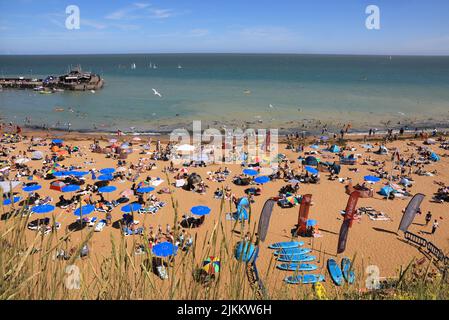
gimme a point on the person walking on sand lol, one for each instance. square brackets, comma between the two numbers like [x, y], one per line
[434, 227]
[428, 218]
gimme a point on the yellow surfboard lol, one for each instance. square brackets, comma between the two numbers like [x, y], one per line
[320, 291]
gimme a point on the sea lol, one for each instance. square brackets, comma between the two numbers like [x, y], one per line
[282, 91]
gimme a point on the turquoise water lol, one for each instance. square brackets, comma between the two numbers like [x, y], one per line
[211, 87]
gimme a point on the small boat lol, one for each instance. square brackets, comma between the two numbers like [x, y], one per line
[179, 66]
[58, 109]
[92, 91]
[154, 66]
[45, 92]
[40, 88]
[133, 66]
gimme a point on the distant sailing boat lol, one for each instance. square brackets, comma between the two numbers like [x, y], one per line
[179, 66]
[391, 58]
[151, 65]
[154, 66]
[133, 66]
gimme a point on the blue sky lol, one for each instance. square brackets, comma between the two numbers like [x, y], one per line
[258, 26]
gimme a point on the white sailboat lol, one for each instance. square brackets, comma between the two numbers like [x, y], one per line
[179, 66]
[133, 66]
[154, 66]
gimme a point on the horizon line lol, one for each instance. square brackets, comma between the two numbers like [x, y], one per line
[228, 53]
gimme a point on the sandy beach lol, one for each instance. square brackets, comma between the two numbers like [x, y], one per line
[370, 242]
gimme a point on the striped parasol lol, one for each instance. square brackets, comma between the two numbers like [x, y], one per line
[211, 265]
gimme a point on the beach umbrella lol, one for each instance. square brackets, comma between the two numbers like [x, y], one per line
[32, 188]
[7, 186]
[105, 177]
[250, 172]
[262, 180]
[7, 202]
[112, 140]
[311, 170]
[200, 210]
[57, 141]
[132, 207]
[145, 190]
[84, 210]
[45, 208]
[77, 173]
[211, 265]
[164, 249]
[37, 155]
[61, 173]
[22, 161]
[372, 179]
[311, 223]
[70, 188]
[292, 199]
[107, 189]
[137, 139]
[107, 171]
[324, 138]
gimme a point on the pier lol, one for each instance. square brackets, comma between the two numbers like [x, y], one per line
[75, 80]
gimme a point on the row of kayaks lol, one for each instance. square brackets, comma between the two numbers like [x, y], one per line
[295, 258]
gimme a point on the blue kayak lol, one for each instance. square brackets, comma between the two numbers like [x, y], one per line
[296, 251]
[348, 274]
[286, 245]
[335, 272]
[296, 258]
[305, 279]
[297, 267]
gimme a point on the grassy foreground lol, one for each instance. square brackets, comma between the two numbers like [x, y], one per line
[29, 270]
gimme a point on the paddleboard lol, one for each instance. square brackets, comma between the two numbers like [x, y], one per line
[348, 274]
[335, 272]
[286, 245]
[292, 251]
[303, 258]
[320, 291]
[305, 279]
[297, 267]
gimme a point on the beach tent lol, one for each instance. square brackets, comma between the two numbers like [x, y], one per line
[242, 209]
[336, 168]
[434, 157]
[37, 155]
[382, 150]
[385, 191]
[7, 186]
[57, 185]
[334, 149]
[311, 161]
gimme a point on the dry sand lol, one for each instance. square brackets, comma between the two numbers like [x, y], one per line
[373, 242]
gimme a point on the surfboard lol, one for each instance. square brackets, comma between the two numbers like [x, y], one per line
[320, 291]
[305, 279]
[296, 251]
[297, 267]
[286, 245]
[303, 258]
[335, 272]
[348, 274]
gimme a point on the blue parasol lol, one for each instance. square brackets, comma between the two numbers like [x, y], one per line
[7, 202]
[132, 207]
[372, 179]
[311, 170]
[70, 188]
[164, 249]
[107, 189]
[145, 190]
[45, 208]
[200, 210]
[57, 141]
[262, 179]
[250, 172]
[107, 171]
[32, 188]
[84, 210]
[105, 177]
